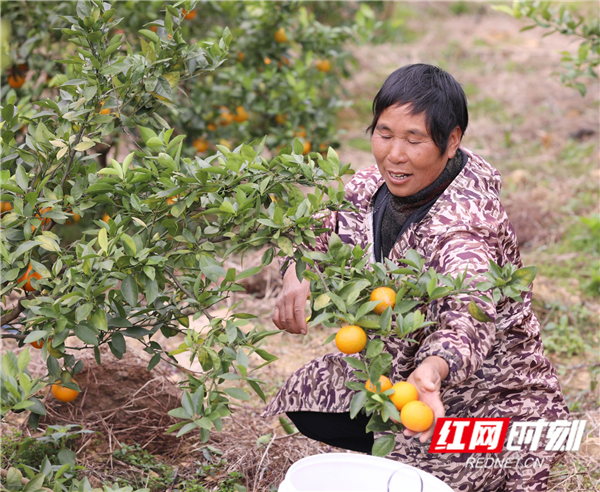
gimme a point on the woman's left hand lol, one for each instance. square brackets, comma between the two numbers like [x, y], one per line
[427, 378]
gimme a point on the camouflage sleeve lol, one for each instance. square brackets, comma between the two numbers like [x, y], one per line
[457, 337]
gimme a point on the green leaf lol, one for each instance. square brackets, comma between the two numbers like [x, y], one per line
[384, 445]
[98, 319]
[355, 363]
[23, 359]
[374, 348]
[155, 143]
[147, 133]
[524, 276]
[129, 244]
[22, 178]
[358, 401]
[237, 393]
[103, 239]
[83, 311]
[47, 243]
[85, 334]
[26, 246]
[149, 35]
[227, 207]
[477, 313]
[321, 301]
[129, 289]
[286, 245]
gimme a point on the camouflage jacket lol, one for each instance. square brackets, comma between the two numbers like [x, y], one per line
[497, 369]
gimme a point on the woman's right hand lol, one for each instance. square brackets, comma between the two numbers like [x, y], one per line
[290, 308]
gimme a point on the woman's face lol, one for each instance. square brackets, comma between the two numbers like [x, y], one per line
[406, 155]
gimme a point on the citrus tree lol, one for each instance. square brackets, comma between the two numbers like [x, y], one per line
[568, 20]
[95, 255]
[389, 299]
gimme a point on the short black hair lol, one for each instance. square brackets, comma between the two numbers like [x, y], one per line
[428, 89]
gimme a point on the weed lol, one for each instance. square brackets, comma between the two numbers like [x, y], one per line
[157, 475]
[360, 144]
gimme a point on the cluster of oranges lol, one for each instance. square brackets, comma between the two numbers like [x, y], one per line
[352, 339]
[227, 117]
[415, 415]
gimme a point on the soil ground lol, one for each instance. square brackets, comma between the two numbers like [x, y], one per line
[541, 136]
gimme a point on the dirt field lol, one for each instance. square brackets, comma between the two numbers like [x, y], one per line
[541, 136]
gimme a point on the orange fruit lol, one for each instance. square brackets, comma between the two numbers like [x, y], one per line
[189, 15]
[267, 61]
[106, 217]
[323, 147]
[38, 344]
[281, 119]
[416, 416]
[74, 219]
[16, 80]
[104, 111]
[323, 65]
[5, 207]
[64, 394]
[404, 392]
[211, 127]
[241, 114]
[44, 221]
[154, 28]
[306, 147]
[240, 56]
[226, 117]
[387, 297]
[280, 35]
[351, 339]
[172, 199]
[200, 145]
[301, 132]
[384, 383]
[28, 275]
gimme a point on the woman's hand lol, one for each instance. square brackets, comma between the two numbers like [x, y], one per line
[290, 308]
[428, 379]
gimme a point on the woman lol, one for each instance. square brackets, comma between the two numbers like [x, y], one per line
[429, 194]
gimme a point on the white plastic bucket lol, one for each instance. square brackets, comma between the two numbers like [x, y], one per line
[345, 472]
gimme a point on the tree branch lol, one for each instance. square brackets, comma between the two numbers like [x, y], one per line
[12, 314]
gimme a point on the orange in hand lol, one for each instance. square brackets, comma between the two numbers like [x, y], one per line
[404, 392]
[387, 297]
[64, 394]
[384, 383]
[351, 339]
[416, 416]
